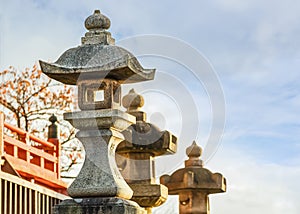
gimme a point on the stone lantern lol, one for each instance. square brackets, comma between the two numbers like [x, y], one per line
[136, 154]
[194, 183]
[98, 68]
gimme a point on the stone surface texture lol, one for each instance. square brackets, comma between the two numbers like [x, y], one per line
[110, 91]
[194, 183]
[100, 133]
[98, 206]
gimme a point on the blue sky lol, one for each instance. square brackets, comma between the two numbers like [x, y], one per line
[253, 47]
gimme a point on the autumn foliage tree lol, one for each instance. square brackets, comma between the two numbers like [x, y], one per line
[29, 98]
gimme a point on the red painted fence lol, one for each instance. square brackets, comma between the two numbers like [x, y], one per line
[32, 158]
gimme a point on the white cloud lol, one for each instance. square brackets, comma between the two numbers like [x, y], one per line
[254, 186]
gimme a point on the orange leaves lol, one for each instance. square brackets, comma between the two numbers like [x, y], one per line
[24, 84]
[74, 156]
[34, 68]
[70, 90]
[11, 84]
[28, 91]
[4, 72]
[31, 98]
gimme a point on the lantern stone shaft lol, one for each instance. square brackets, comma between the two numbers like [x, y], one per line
[194, 183]
[98, 68]
[136, 154]
[100, 133]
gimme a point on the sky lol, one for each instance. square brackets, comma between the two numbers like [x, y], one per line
[244, 76]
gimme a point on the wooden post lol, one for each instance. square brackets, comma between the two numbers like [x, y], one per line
[53, 133]
[1, 133]
[1, 139]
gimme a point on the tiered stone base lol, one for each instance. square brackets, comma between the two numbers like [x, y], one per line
[103, 205]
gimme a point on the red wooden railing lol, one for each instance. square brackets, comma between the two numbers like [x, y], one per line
[32, 158]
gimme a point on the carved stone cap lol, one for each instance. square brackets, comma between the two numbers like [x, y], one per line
[194, 150]
[53, 130]
[133, 101]
[53, 118]
[97, 24]
[97, 21]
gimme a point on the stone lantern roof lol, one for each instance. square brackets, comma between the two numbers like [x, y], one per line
[145, 136]
[97, 58]
[194, 176]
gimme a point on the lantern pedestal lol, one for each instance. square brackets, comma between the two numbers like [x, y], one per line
[98, 205]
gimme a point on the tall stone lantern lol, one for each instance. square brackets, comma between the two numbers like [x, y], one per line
[136, 154]
[98, 68]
